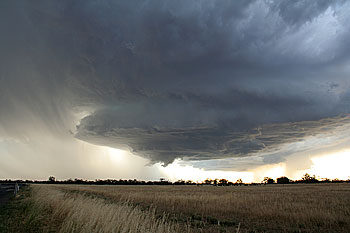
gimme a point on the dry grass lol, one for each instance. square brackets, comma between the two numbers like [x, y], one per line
[76, 212]
[271, 208]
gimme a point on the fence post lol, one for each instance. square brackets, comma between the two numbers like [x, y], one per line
[16, 189]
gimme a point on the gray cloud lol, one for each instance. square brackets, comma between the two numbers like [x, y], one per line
[187, 79]
[165, 144]
[301, 12]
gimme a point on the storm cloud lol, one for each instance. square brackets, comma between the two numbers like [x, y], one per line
[197, 80]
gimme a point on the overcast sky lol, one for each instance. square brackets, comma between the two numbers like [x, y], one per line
[215, 85]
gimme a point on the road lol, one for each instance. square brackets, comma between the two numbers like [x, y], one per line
[6, 192]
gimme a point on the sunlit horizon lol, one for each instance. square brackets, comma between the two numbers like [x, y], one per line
[323, 166]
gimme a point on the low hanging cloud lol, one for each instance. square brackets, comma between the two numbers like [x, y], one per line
[165, 144]
[198, 80]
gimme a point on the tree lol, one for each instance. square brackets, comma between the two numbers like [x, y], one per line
[180, 182]
[208, 181]
[268, 180]
[52, 179]
[189, 182]
[325, 180]
[223, 182]
[239, 181]
[307, 178]
[265, 180]
[283, 180]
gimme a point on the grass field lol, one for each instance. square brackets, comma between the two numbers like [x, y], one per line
[266, 208]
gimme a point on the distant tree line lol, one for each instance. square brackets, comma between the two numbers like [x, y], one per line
[307, 178]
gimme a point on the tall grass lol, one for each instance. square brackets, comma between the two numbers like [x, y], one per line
[290, 208]
[76, 212]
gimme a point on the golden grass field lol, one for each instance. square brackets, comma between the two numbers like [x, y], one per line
[265, 208]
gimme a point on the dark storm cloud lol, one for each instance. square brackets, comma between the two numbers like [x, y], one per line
[165, 144]
[168, 79]
[300, 12]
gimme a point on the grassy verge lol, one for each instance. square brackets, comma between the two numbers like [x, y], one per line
[21, 215]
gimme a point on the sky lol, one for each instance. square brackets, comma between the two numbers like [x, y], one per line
[174, 89]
